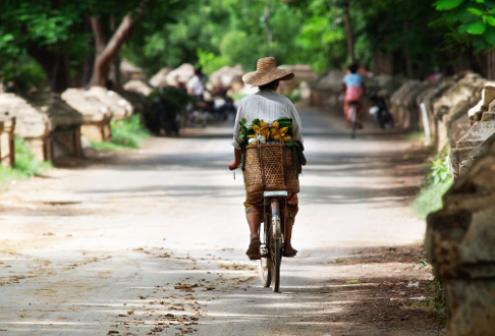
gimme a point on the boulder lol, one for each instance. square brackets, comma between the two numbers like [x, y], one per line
[327, 88]
[476, 112]
[304, 77]
[177, 77]
[468, 146]
[383, 85]
[30, 123]
[428, 98]
[330, 81]
[159, 80]
[224, 78]
[96, 116]
[130, 71]
[403, 105]
[66, 121]
[451, 109]
[138, 86]
[459, 243]
[118, 106]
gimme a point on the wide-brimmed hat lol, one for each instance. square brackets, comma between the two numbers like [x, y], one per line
[266, 72]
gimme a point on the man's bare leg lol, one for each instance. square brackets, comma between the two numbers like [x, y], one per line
[253, 217]
[254, 221]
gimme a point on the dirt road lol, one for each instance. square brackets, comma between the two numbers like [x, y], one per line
[152, 242]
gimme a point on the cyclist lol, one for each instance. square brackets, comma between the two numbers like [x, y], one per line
[353, 89]
[269, 106]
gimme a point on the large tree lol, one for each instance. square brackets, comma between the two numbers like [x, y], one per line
[74, 42]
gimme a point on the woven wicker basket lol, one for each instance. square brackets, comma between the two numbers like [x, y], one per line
[270, 167]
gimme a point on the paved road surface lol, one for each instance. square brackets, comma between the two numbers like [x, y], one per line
[152, 243]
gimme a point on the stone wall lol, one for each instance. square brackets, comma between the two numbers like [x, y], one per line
[451, 109]
[326, 89]
[459, 243]
[404, 106]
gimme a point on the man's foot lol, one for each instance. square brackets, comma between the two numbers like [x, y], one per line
[253, 251]
[289, 252]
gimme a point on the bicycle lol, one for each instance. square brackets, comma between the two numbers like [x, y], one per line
[353, 106]
[272, 239]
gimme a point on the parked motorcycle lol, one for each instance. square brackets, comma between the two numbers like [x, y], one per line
[380, 112]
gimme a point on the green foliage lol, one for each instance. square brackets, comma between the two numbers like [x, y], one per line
[26, 165]
[473, 20]
[126, 133]
[436, 183]
[213, 33]
[209, 62]
[25, 162]
[21, 74]
[129, 132]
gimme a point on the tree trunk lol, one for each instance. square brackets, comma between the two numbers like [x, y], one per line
[348, 31]
[407, 54]
[116, 77]
[265, 19]
[105, 55]
[55, 65]
[490, 64]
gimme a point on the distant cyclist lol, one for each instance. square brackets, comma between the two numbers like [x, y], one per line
[353, 88]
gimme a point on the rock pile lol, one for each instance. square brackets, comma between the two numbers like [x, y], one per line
[138, 86]
[177, 77]
[226, 78]
[159, 80]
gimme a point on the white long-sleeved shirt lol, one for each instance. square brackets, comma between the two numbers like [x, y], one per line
[268, 106]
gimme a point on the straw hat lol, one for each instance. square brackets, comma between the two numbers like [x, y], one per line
[266, 72]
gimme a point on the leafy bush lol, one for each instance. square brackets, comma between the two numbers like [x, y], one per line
[26, 165]
[126, 133]
[436, 183]
[25, 162]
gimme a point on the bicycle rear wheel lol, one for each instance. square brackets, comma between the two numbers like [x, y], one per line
[276, 244]
[353, 120]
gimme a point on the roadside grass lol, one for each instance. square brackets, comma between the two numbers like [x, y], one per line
[429, 199]
[436, 183]
[26, 165]
[126, 133]
[416, 136]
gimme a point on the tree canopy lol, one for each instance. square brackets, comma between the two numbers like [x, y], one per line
[61, 42]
